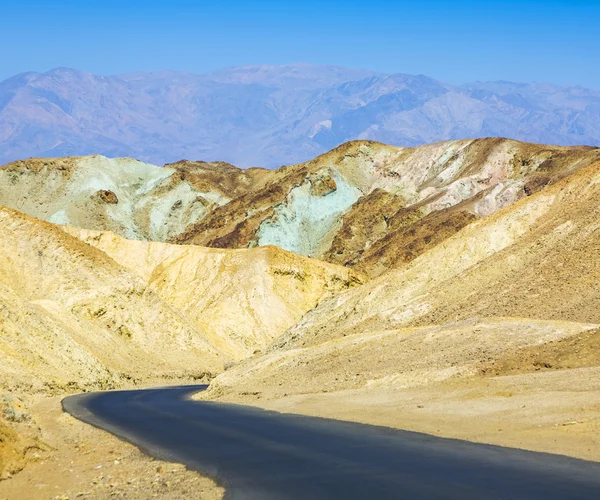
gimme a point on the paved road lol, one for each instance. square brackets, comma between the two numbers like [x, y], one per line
[259, 454]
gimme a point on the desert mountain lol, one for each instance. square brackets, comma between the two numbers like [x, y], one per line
[131, 198]
[494, 329]
[364, 205]
[536, 258]
[242, 300]
[372, 206]
[266, 116]
[481, 314]
[79, 315]
[482, 257]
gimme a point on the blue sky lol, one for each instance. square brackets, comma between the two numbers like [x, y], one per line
[454, 41]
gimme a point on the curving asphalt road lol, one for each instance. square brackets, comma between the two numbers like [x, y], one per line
[259, 454]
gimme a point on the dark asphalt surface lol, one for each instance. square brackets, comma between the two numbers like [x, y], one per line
[259, 454]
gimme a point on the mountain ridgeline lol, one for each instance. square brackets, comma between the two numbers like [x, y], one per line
[364, 205]
[267, 116]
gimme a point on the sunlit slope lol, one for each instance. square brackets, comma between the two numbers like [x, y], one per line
[514, 382]
[85, 310]
[241, 299]
[537, 259]
[410, 357]
[495, 329]
[72, 317]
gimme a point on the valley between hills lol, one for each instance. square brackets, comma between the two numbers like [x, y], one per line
[451, 288]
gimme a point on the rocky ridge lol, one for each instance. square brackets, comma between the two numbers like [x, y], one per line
[129, 197]
[373, 207]
[365, 205]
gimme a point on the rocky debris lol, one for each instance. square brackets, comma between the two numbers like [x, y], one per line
[82, 462]
[13, 409]
[577, 351]
[12, 458]
[322, 185]
[106, 196]
[222, 178]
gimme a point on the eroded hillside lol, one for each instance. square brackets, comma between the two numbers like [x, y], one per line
[71, 317]
[364, 205]
[481, 314]
[494, 329]
[131, 198]
[373, 207]
[83, 310]
[537, 258]
[241, 300]
[89, 309]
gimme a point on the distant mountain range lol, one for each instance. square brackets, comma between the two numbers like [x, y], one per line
[268, 116]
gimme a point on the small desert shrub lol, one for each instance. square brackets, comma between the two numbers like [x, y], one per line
[11, 410]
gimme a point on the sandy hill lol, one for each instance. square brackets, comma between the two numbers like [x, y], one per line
[495, 329]
[364, 204]
[92, 309]
[71, 317]
[83, 309]
[240, 299]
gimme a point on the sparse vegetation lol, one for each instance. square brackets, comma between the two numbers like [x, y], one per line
[12, 409]
[294, 273]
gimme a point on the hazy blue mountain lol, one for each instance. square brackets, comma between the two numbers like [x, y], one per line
[274, 115]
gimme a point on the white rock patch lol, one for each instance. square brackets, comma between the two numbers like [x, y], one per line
[302, 223]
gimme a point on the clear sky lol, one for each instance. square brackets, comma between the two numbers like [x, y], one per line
[454, 41]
